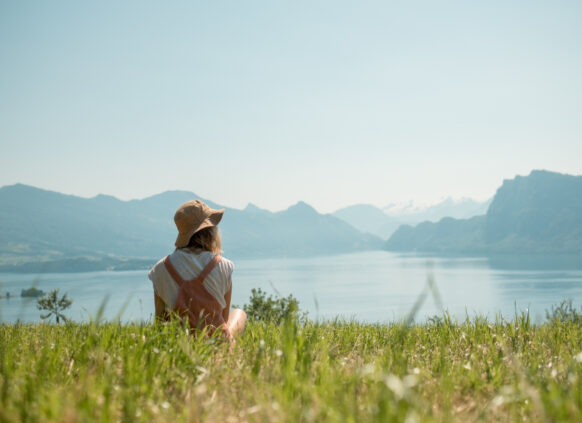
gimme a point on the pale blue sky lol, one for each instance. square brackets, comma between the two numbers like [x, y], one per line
[271, 102]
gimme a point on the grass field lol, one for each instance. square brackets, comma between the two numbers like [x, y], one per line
[295, 372]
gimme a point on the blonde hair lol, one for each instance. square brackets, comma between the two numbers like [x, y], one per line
[207, 239]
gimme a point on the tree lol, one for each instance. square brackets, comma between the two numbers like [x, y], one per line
[54, 305]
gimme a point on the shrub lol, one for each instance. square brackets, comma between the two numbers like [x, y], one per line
[564, 312]
[271, 309]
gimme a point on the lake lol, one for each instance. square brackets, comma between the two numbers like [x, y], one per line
[374, 286]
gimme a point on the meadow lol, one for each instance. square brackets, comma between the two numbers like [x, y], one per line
[294, 371]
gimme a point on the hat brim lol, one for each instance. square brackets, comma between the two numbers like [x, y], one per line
[212, 220]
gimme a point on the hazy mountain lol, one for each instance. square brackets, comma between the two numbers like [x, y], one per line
[447, 235]
[368, 218]
[36, 223]
[539, 213]
[412, 213]
[542, 211]
[251, 208]
[384, 222]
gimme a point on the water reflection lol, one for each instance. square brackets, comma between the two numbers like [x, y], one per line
[535, 262]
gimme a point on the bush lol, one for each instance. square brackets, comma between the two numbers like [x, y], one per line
[271, 309]
[436, 320]
[565, 312]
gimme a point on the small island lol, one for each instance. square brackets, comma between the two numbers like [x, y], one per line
[31, 292]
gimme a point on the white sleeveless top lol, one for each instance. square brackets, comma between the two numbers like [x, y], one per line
[189, 265]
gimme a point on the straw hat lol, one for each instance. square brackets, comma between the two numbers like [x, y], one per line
[193, 216]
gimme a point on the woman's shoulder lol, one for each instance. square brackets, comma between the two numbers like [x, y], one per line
[226, 266]
[156, 268]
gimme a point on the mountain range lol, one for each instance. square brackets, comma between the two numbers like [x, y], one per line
[44, 230]
[39, 225]
[538, 213]
[383, 222]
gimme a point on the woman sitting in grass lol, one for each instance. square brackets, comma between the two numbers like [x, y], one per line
[195, 282]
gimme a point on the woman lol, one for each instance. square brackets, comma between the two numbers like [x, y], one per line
[195, 281]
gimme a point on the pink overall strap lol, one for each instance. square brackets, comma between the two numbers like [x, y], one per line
[205, 272]
[209, 267]
[172, 271]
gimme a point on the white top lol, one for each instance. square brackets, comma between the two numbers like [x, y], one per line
[189, 265]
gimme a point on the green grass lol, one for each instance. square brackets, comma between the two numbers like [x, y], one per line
[295, 372]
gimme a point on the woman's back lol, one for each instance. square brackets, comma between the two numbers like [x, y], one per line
[189, 265]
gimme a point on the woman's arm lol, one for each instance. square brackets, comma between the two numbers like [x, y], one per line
[160, 307]
[226, 310]
[235, 321]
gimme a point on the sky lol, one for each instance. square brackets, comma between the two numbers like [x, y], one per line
[272, 102]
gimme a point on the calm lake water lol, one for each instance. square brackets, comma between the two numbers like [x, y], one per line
[373, 286]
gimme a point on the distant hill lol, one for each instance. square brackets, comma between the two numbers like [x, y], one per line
[35, 222]
[446, 236]
[384, 222]
[463, 208]
[299, 230]
[45, 225]
[370, 219]
[539, 213]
